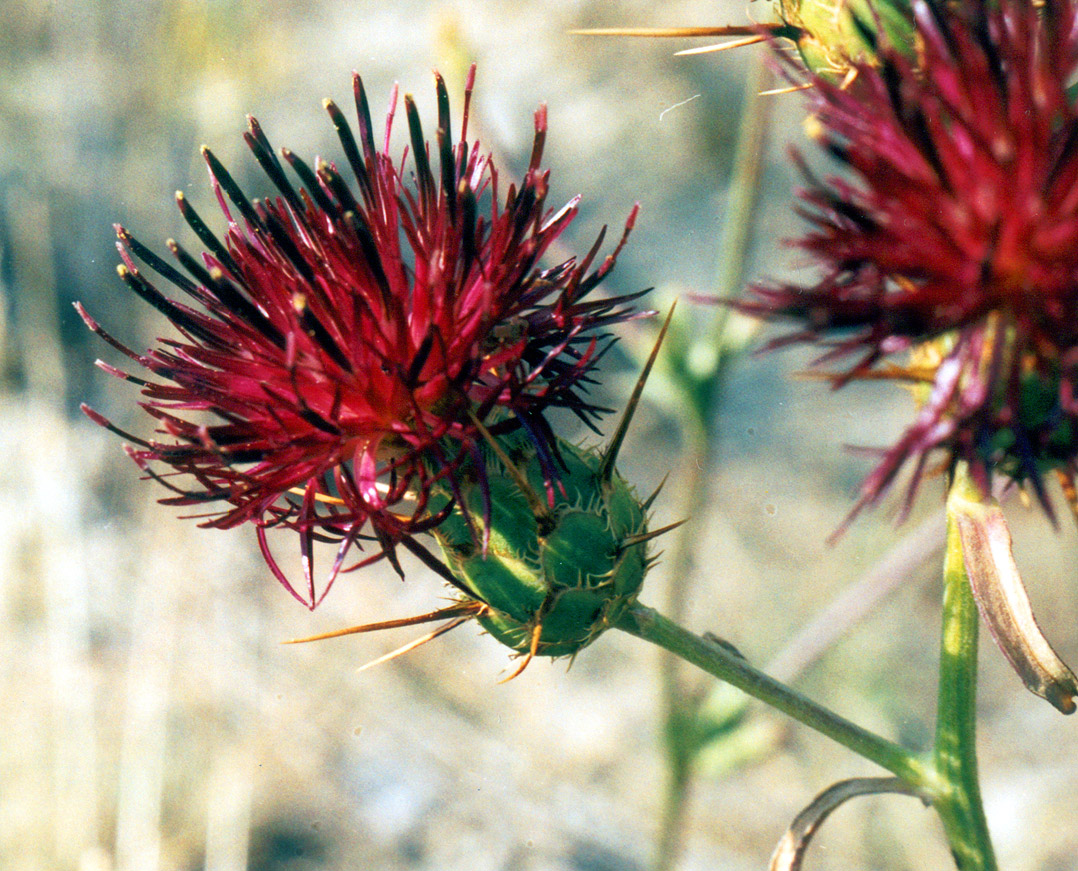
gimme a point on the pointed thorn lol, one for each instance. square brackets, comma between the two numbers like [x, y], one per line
[791, 89]
[671, 32]
[535, 502]
[461, 609]
[646, 506]
[533, 648]
[412, 645]
[721, 46]
[606, 468]
[632, 540]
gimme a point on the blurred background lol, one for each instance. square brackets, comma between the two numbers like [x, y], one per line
[150, 717]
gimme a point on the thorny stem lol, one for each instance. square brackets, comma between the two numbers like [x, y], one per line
[727, 665]
[957, 798]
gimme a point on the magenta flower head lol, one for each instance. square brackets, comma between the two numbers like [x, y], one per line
[342, 346]
[954, 237]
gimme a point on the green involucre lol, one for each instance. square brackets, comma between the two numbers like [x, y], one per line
[568, 569]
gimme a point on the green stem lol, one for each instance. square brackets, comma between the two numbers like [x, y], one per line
[726, 664]
[678, 706]
[702, 391]
[744, 186]
[675, 802]
[957, 797]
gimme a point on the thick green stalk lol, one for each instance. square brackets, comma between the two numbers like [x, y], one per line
[726, 664]
[957, 796]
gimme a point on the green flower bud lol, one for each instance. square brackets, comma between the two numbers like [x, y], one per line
[832, 33]
[553, 576]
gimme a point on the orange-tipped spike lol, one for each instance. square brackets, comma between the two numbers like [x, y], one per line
[464, 610]
[721, 46]
[533, 648]
[412, 645]
[784, 31]
[790, 89]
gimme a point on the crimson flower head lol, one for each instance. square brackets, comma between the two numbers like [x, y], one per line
[343, 346]
[954, 236]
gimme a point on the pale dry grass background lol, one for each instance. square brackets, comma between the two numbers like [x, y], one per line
[149, 718]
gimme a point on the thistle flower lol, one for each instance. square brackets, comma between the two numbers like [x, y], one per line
[342, 347]
[956, 239]
[552, 574]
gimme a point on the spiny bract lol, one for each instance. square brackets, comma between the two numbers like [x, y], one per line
[569, 566]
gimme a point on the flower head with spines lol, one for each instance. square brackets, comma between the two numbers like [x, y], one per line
[955, 237]
[339, 344]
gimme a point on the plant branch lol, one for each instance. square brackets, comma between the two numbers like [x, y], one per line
[726, 664]
[957, 798]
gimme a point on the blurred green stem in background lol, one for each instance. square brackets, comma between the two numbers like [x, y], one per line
[958, 798]
[679, 708]
[696, 368]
